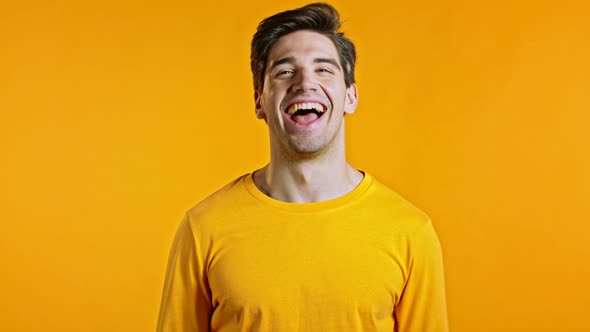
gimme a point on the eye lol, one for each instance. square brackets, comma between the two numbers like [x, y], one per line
[325, 70]
[284, 72]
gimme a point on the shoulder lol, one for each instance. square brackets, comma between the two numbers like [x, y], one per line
[407, 224]
[396, 209]
[220, 203]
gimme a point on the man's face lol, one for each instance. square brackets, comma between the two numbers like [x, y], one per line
[304, 98]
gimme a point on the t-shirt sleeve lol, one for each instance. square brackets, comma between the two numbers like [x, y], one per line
[186, 304]
[422, 305]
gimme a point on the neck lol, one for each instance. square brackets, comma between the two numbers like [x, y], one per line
[306, 180]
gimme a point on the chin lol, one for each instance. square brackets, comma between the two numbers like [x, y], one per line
[306, 148]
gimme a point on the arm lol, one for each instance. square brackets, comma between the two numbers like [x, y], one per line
[422, 306]
[186, 304]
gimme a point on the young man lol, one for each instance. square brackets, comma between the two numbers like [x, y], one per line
[307, 243]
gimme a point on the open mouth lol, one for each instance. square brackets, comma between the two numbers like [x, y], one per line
[304, 113]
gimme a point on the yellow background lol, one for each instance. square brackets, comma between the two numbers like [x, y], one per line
[116, 117]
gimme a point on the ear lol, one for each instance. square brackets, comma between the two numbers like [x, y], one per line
[258, 106]
[351, 99]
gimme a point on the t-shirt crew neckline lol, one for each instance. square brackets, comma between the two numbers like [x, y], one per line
[359, 190]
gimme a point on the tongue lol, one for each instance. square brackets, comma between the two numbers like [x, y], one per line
[305, 118]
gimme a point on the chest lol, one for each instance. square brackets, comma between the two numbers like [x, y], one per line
[305, 269]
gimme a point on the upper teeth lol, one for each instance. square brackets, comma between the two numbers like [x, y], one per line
[305, 106]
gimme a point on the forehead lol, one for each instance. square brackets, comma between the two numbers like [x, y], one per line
[302, 44]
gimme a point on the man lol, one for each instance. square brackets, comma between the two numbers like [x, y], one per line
[307, 243]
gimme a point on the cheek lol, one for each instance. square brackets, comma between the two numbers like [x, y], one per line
[269, 97]
[275, 98]
[271, 104]
[336, 94]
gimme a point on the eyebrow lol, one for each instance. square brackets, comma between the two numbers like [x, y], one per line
[328, 60]
[291, 59]
[279, 62]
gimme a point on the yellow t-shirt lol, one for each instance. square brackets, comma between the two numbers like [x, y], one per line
[366, 261]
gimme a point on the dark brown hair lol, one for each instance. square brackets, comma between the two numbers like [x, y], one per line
[317, 17]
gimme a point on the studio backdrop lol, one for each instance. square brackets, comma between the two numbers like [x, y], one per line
[118, 116]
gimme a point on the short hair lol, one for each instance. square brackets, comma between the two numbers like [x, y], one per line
[317, 17]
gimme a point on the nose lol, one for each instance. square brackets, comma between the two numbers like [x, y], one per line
[303, 82]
